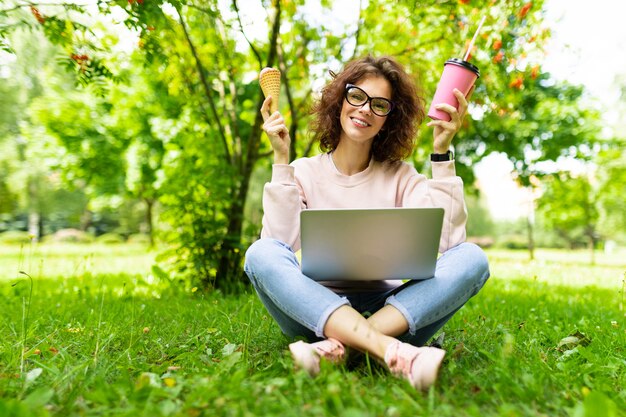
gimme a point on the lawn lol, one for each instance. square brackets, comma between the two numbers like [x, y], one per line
[100, 336]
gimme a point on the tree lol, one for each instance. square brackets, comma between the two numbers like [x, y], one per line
[26, 150]
[611, 177]
[206, 55]
[569, 206]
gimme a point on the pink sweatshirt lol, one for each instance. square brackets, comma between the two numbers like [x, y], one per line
[316, 183]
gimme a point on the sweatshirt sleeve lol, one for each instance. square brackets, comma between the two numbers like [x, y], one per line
[282, 202]
[444, 190]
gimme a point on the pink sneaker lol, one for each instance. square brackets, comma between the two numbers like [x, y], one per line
[307, 355]
[420, 365]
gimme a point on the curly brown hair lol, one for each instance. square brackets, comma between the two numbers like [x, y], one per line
[396, 139]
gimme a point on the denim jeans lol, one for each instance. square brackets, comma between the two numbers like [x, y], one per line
[302, 306]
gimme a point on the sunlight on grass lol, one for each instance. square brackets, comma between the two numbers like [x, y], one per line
[94, 338]
[559, 267]
[67, 260]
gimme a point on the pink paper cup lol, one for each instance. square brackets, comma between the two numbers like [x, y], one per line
[457, 74]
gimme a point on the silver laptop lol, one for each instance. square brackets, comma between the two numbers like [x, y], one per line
[370, 244]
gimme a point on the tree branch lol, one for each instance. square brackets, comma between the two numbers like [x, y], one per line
[255, 134]
[266, 154]
[31, 4]
[271, 56]
[205, 85]
[415, 47]
[231, 110]
[309, 147]
[293, 126]
[358, 31]
[254, 50]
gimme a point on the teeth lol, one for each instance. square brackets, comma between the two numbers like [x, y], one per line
[360, 122]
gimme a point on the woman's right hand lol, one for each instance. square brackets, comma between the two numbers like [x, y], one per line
[274, 126]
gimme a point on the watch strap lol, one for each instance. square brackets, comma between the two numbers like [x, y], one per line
[440, 157]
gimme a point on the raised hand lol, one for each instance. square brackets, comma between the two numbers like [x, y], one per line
[444, 131]
[276, 129]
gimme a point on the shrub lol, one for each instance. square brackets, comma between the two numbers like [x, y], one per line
[513, 242]
[482, 241]
[15, 237]
[139, 238]
[69, 236]
[110, 238]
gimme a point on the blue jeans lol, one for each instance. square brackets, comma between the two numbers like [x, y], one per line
[302, 306]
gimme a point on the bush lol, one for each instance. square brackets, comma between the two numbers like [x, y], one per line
[110, 238]
[482, 241]
[15, 237]
[69, 236]
[139, 238]
[513, 242]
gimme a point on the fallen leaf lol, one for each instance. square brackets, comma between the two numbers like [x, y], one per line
[569, 342]
[229, 349]
[573, 340]
[32, 375]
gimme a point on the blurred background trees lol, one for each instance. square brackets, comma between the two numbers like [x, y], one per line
[140, 118]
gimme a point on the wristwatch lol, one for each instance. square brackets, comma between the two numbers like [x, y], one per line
[440, 157]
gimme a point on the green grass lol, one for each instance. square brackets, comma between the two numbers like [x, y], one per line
[100, 337]
[74, 260]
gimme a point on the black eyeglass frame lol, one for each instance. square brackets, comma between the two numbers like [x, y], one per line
[369, 100]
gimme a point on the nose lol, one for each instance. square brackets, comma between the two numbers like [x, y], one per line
[369, 109]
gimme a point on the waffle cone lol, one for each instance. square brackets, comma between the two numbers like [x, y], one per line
[269, 78]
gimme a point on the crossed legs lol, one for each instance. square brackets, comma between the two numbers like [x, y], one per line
[304, 307]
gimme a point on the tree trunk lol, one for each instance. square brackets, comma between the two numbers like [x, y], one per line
[33, 212]
[34, 225]
[229, 271]
[531, 238]
[149, 219]
[231, 278]
[86, 219]
[530, 220]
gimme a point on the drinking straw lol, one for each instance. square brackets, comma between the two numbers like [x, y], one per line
[469, 48]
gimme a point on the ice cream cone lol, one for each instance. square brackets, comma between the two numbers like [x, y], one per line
[269, 78]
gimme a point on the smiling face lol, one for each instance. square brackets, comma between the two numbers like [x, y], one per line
[360, 124]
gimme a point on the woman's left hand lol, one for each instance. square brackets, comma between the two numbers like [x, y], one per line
[445, 131]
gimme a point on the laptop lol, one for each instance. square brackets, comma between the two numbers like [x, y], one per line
[370, 244]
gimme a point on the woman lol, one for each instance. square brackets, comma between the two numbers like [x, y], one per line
[366, 122]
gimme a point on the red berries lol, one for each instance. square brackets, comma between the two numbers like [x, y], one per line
[524, 10]
[82, 60]
[40, 18]
[517, 83]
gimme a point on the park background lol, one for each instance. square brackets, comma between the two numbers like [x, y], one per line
[131, 170]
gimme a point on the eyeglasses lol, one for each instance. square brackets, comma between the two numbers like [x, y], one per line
[356, 97]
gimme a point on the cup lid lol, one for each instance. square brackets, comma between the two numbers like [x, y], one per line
[465, 64]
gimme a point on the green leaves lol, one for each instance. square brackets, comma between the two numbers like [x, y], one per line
[569, 206]
[168, 111]
[596, 404]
